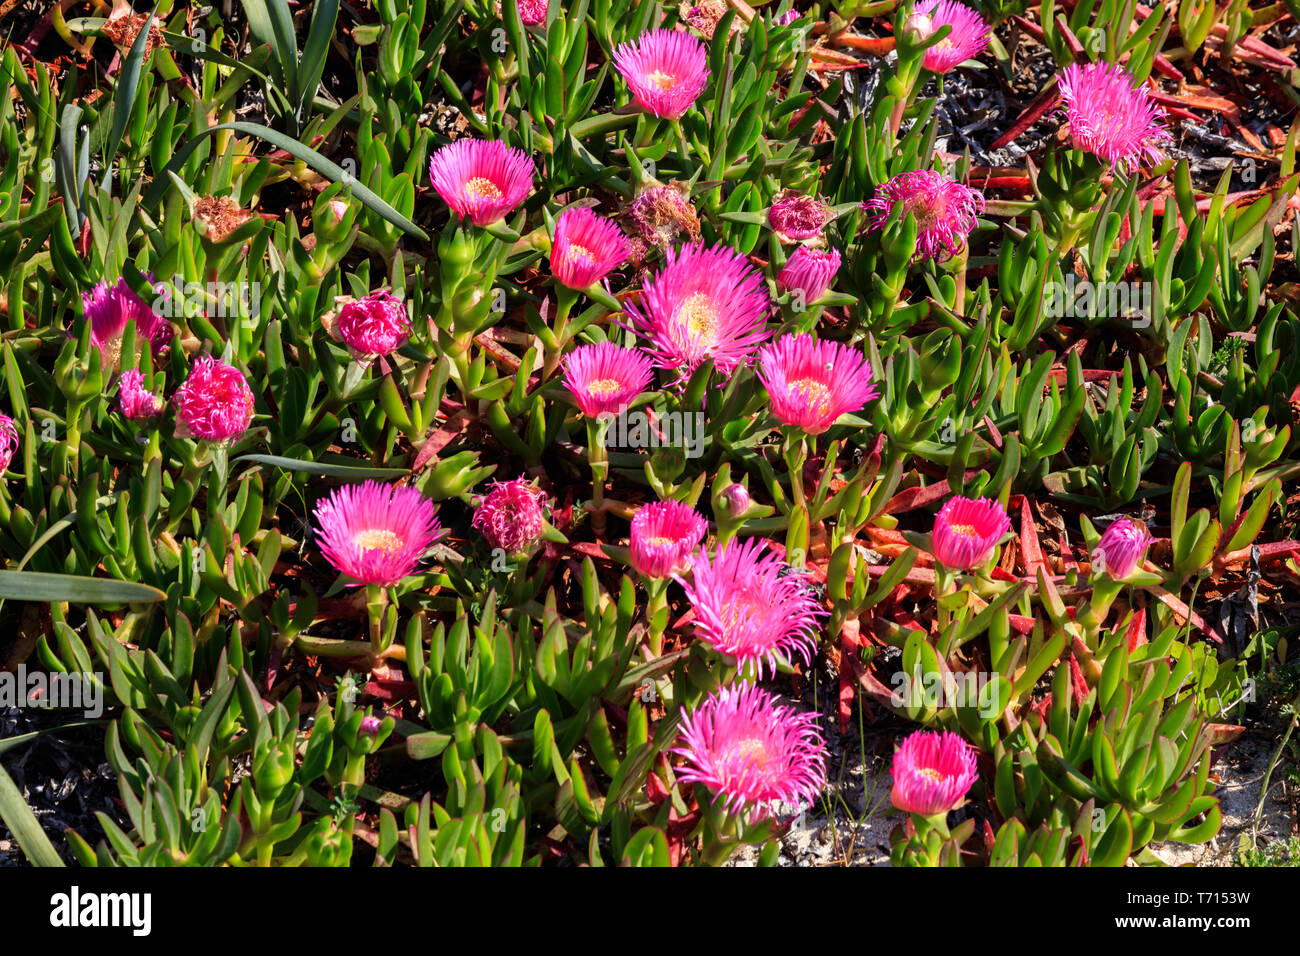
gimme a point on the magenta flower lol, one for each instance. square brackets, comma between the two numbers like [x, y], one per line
[746, 609]
[965, 41]
[510, 516]
[966, 531]
[481, 180]
[664, 533]
[944, 209]
[136, 401]
[706, 303]
[586, 248]
[1121, 549]
[665, 69]
[751, 752]
[370, 725]
[809, 272]
[1112, 118]
[533, 12]
[605, 378]
[375, 325]
[738, 500]
[376, 533]
[932, 773]
[109, 309]
[215, 403]
[813, 383]
[8, 441]
[794, 216]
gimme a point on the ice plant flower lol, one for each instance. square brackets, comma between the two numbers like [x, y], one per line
[1111, 117]
[944, 209]
[604, 378]
[370, 725]
[586, 248]
[109, 309]
[813, 383]
[8, 441]
[659, 216]
[747, 609]
[737, 497]
[665, 69]
[809, 272]
[376, 533]
[965, 41]
[374, 325]
[794, 216]
[1121, 549]
[136, 401]
[219, 216]
[510, 516]
[481, 180]
[215, 402]
[664, 533]
[932, 773]
[966, 530]
[751, 751]
[531, 12]
[706, 302]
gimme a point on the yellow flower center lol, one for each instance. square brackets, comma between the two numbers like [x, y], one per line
[814, 392]
[660, 540]
[748, 751]
[661, 81]
[580, 253]
[929, 773]
[378, 539]
[700, 316]
[480, 187]
[966, 530]
[604, 387]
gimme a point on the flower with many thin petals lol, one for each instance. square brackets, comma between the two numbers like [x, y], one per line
[8, 441]
[751, 751]
[794, 216]
[944, 210]
[215, 402]
[374, 533]
[706, 302]
[136, 401]
[531, 12]
[604, 378]
[966, 531]
[664, 533]
[1111, 117]
[109, 309]
[813, 383]
[809, 272]
[965, 41]
[749, 609]
[374, 325]
[481, 180]
[586, 248]
[665, 69]
[1121, 549]
[510, 516]
[932, 773]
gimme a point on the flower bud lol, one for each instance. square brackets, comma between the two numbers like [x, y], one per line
[737, 498]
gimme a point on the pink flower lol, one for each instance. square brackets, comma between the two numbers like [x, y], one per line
[8, 441]
[932, 773]
[794, 216]
[706, 303]
[1121, 549]
[136, 401]
[510, 516]
[533, 12]
[813, 383]
[967, 39]
[215, 403]
[750, 751]
[376, 533]
[747, 609]
[944, 209]
[605, 378]
[785, 19]
[374, 325]
[586, 248]
[809, 271]
[109, 309]
[1110, 117]
[966, 531]
[481, 180]
[370, 725]
[664, 533]
[665, 69]
[738, 500]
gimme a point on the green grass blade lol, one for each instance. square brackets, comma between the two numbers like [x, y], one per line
[128, 84]
[22, 823]
[75, 588]
[325, 468]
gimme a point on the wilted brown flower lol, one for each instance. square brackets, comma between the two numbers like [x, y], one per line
[219, 216]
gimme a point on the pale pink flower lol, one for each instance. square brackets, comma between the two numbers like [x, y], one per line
[1121, 549]
[1111, 117]
[481, 180]
[136, 401]
[751, 752]
[809, 271]
[586, 248]
[966, 530]
[665, 69]
[604, 378]
[374, 325]
[967, 39]
[932, 773]
[813, 383]
[944, 209]
[664, 533]
[109, 309]
[794, 216]
[374, 533]
[738, 500]
[215, 403]
[510, 516]
[8, 441]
